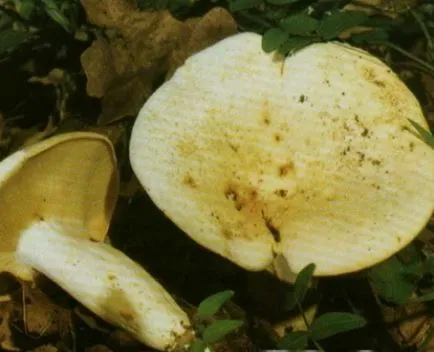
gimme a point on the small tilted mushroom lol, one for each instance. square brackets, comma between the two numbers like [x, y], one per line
[310, 159]
[56, 199]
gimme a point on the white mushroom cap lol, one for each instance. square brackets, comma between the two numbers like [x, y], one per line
[311, 158]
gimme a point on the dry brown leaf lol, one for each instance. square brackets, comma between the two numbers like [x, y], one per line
[42, 316]
[138, 49]
[63, 84]
[214, 26]
[6, 341]
[410, 323]
[355, 30]
[108, 13]
[16, 138]
[45, 348]
[125, 99]
[123, 69]
[130, 188]
[55, 78]
[115, 132]
[40, 135]
[98, 67]
[98, 348]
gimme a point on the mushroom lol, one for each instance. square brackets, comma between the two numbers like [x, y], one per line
[307, 159]
[57, 198]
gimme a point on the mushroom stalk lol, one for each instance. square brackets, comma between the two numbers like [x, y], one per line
[107, 282]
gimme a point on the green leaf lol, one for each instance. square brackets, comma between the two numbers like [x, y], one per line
[293, 44]
[273, 39]
[282, 2]
[296, 340]
[198, 346]
[25, 8]
[56, 15]
[425, 298]
[427, 9]
[413, 271]
[301, 285]
[300, 24]
[423, 133]
[374, 36]
[219, 329]
[5, 20]
[413, 261]
[276, 14]
[238, 5]
[410, 254]
[389, 282]
[429, 265]
[330, 324]
[211, 305]
[10, 40]
[338, 22]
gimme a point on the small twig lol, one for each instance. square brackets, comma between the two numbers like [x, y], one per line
[409, 55]
[23, 302]
[412, 65]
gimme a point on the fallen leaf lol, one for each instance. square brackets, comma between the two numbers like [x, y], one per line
[6, 341]
[26, 137]
[108, 13]
[45, 348]
[126, 99]
[139, 49]
[55, 78]
[214, 26]
[296, 323]
[98, 67]
[41, 316]
[410, 324]
[64, 86]
[98, 348]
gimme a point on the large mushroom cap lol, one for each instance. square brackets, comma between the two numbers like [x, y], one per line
[69, 180]
[313, 158]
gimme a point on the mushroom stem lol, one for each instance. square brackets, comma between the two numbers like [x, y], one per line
[106, 282]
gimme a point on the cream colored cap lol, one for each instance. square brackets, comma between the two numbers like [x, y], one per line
[69, 181]
[312, 158]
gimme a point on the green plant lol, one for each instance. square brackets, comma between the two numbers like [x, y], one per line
[396, 280]
[28, 22]
[290, 25]
[322, 327]
[423, 134]
[208, 328]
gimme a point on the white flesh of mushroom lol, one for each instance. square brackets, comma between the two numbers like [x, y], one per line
[105, 281]
[56, 196]
[312, 158]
